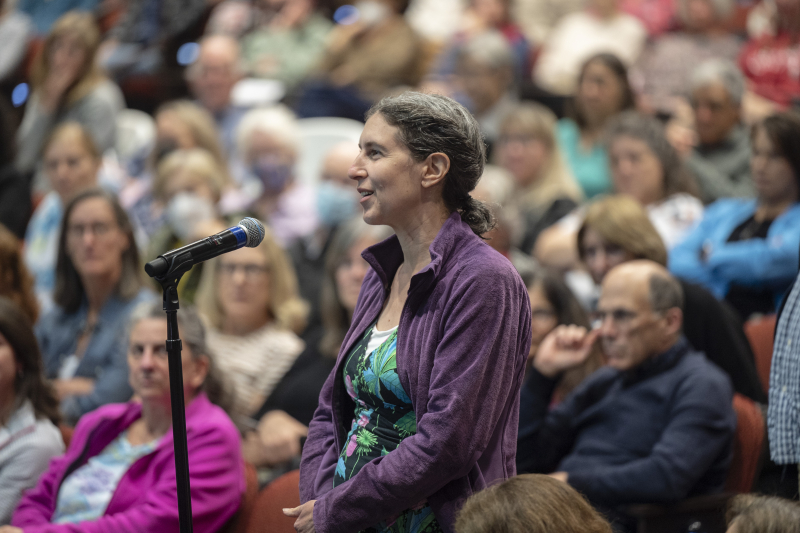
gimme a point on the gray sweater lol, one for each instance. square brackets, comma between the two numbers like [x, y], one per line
[723, 170]
[97, 112]
[26, 446]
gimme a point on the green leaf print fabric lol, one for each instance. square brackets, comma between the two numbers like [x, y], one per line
[383, 418]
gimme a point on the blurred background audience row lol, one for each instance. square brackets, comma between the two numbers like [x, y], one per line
[617, 131]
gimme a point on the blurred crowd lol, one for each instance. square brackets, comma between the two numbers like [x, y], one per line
[616, 131]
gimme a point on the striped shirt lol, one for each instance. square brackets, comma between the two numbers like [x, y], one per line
[253, 364]
[783, 415]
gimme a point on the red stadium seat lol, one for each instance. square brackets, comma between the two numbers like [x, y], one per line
[761, 334]
[267, 515]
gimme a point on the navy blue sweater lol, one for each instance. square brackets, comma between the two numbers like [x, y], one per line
[656, 434]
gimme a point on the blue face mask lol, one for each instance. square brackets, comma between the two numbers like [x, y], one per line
[273, 174]
[336, 203]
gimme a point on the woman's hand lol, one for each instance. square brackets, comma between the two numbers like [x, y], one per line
[55, 86]
[564, 348]
[72, 387]
[10, 529]
[304, 514]
[276, 440]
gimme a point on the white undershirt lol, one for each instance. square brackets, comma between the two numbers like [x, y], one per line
[377, 338]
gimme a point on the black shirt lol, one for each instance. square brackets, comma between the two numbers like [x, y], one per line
[750, 300]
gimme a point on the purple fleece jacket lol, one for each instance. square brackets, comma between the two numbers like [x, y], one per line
[145, 499]
[464, 334]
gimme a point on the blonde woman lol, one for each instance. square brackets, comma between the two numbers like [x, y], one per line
[68, 86]
[250, 299]
[188, 184]
[545, 188]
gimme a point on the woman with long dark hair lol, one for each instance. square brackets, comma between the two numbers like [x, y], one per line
[28, 410]
[431, 366]
[98, 283]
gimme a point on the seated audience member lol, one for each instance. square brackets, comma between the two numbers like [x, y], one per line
[751, 513]
[16, 29]
[720, 160]
[545, 190]
[768, 59]
[553, 305]
[599, 28]
[530, 503]
[67, 85]
[538, 18]
[363, 61]
[602, 92]
[616, 230]
[98, 283]
[661, 75]
[70, 161]
[746, 251]
[484, 71]
[646, 167]
[180, 125]
[17, 282]
[287, 41]
[269, 141]
[285, 415]
[212, 78]
[189, 184]
[250, 299]
[486, 16]
[139, 40]
[654, 426]
[15, 189]
[28, 410]
[119, 471]
[45, 14]
[337, 202]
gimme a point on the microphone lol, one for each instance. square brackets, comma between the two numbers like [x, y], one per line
[249, 232]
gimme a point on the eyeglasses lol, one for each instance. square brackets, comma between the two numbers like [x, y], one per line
[136, 351]
[98, 229]
[542, 315]
[251, 270]
[620, 317]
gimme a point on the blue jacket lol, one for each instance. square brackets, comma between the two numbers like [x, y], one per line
[656, 434]
[769, 263]
[463, 338]
[105, 359]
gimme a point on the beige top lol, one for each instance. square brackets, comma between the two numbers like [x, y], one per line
[254, 364]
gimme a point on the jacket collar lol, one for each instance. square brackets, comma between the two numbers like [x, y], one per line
[658, 363]
[387, 256]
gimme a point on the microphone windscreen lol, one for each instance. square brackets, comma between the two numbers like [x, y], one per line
[254, 230]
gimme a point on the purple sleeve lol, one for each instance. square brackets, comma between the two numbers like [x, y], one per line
[217, 481]
[475, 379]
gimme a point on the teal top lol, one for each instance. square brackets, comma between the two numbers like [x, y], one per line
[591, 169]
[383, 417]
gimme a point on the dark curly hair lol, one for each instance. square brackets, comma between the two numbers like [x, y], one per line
[431, 123]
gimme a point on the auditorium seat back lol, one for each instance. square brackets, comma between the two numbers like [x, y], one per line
[761, 334]
[267, 515]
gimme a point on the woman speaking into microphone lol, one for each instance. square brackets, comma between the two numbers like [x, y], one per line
[421, 408]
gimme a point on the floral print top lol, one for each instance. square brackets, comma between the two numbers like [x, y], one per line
[383, 417]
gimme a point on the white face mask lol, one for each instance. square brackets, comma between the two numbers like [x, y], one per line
[185, 211]
[371, 12]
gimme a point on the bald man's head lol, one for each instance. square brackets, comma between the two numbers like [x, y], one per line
[337, 163]
[215, 72]
[640, 306]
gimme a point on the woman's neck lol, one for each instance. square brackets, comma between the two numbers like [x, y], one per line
[770, 210]
[157, 418]
[241, 326]
[98, 290]
[415, 240]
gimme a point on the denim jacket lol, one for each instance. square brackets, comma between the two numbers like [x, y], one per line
[105, 358]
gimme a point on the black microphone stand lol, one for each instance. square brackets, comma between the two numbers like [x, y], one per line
[169, 282]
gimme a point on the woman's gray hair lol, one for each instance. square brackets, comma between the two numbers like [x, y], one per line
[432, 123]
[192, 333]
[721, 71]
[489, 48]
[649, 130]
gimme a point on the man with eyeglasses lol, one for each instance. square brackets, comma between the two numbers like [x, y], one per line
[655, 425]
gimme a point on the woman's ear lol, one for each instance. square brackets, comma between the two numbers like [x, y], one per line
[200, 367]
[434, 169]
